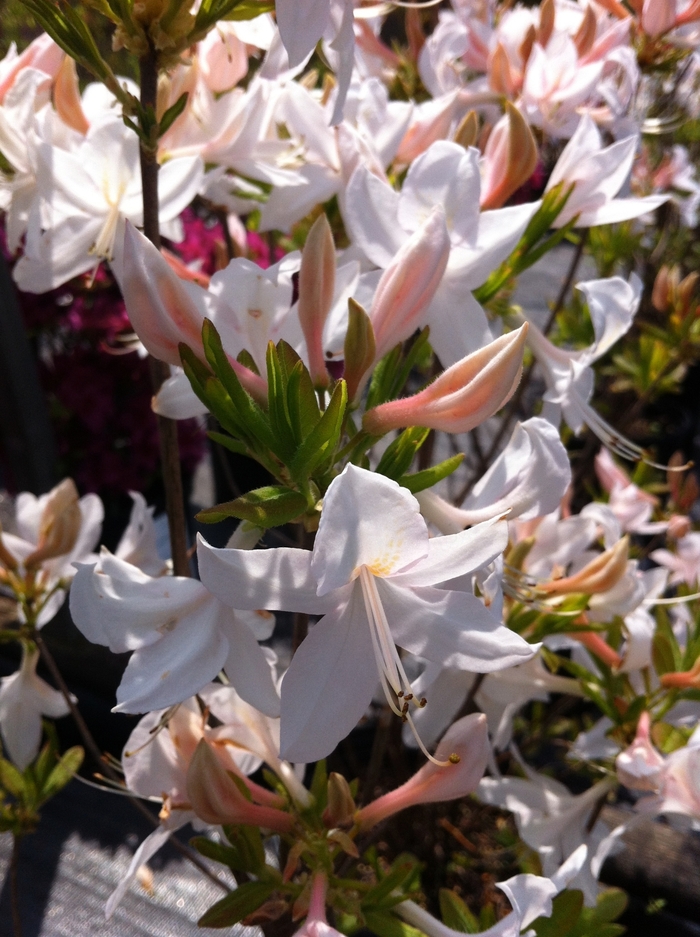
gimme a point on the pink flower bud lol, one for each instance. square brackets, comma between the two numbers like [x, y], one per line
[164, 312]
[510, 158]
[216, 798]
[683, 680]
[465, 395]
[599, 575]
[658, 16]
[468, 739]
[409, 283]
[316, 290]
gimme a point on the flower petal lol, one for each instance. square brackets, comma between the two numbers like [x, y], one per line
[329, 684]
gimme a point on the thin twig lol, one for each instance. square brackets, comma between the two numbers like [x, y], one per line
[109, 772]
[14, 891]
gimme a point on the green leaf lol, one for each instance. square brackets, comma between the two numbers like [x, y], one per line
[662, 654]
[228, 442]
[249, 9]
[280, 422]
[401, 872]
[11, 779]
[426, 478]
[610, 905]
[566, 910]
[386, 924]
[319, 783]
[68, 765]
[253, 422]
[302, 403]
[359, 347]
[270, 506]
[237, 905]
[320, 444]
[247, 842]
[400, 453]
[383, 378]
[172, 114]
[456, 914]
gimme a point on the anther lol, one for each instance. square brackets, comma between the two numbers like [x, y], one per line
[404, 709]
[422, 702]
[454, 759]
[408, 697]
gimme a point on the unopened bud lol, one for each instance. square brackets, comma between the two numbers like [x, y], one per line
[316, 290]
[683, 680]
[66, 97]
[661, 293]
[586, 33]
[678, 526]
[463, 396]
[510, 158]
[468, 130]
[600, 575]
[546, 27]
[686, 288]
[501, 78]
[341, 804]
[59, 525]
[216, 798]
[527, 44]
[360, 347]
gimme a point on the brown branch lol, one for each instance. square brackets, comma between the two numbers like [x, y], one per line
[14, 890]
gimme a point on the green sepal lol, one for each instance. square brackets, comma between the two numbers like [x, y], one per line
[237, 905]
[400, 453]
[266, 507]
[172, 114]
[11, 779]
[386, 924]
[426, 478]
[280, 422]
[302, 403]
[404, 869]
[566, 911]
[247, 842]
[245, 358]
[456, 914]
[68, 764]
[228, 442]
[320, 444]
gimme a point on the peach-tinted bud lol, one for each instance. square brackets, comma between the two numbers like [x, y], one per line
[179, 267]
[66, 97]
[414, 32]
[432, 123]
[316, 289]
[585, 34]
[527, 44]
[686, 288]
[468, 739]
[599, 575]
[546, 27]
[59, 526]
[510, 158]
[468, 130]
[162, 311]
[684, 490]
[360, 347]
[662, 292]
[341, 804]
[683, 680]
[462, 397]
[216, 798]
[597, 645]
[658, 16]
[678, 526]
[501, 78]
[408, 284]
[638, 766]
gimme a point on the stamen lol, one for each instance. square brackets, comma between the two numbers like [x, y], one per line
[674, 600]
[393, 678]
[621, 446]
[155, 731]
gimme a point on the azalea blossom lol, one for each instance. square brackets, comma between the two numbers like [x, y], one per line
[375, 587]
[24, 699]
[85, 196]
[180, 634]
[597, 174]
[382, 220]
